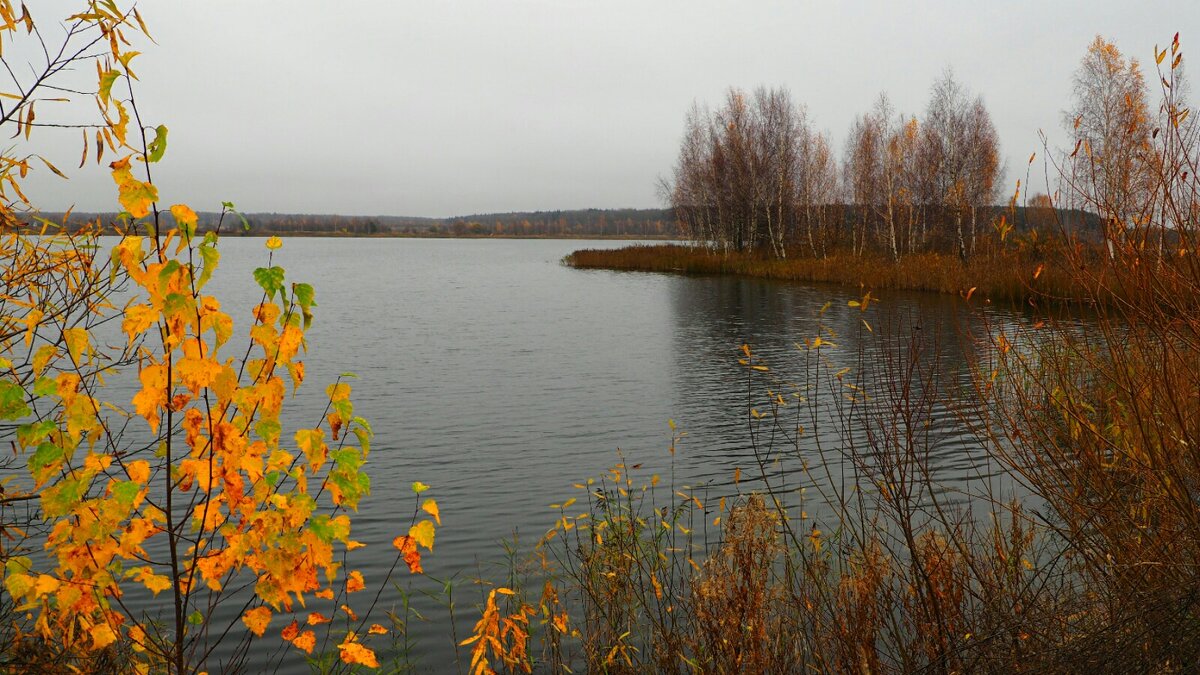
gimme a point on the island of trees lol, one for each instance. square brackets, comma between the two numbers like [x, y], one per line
[922, 197]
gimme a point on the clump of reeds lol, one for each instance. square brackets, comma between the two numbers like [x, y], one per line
[1012, 274]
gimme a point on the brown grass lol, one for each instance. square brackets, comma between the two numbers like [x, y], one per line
[1010, 276]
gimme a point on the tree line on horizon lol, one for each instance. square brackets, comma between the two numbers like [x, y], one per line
[756, 174]
[657, 223]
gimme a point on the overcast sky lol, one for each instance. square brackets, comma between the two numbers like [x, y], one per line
[440, 108]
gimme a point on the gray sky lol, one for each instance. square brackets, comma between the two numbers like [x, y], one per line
[451, 107]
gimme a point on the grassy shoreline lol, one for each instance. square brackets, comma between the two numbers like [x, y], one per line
[1004, 277]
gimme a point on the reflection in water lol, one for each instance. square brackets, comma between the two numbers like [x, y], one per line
[894, 374]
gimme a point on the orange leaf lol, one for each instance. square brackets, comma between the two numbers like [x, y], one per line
[257, 619]
[352, 652]
[317, 618]
[305, 641]
[354, 583]
[292, 631]
[407, 546]
[376, 629]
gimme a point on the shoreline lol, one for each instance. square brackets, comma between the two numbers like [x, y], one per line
[999, 278]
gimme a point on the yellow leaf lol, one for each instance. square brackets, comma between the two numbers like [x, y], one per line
[376, 629]
[45, 585]
[137, 319]
[102, 636]
[274, 243]
[422, 533]
[257, 619]
[431, 508]
[156, 582]
[184, 215]
[77, 343]
[419, 487]
[354, 583]
[316, 619]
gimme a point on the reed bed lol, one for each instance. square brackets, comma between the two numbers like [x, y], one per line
[1000, 277]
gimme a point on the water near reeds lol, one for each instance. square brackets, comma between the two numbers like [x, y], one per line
[500, 377]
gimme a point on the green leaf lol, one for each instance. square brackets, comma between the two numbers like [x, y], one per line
[270, 279]
[211, 257]
[59, 499]
[347, 460]
[164, 275]
[364, 437]
[34, 433]
[303, 293]
[179, 303]
[228, 206]
[47, 457]
[268, 431]
[12, 401]
[158, 146]
[327, 529]
[125, 492]
[45, 386]
[195, 618]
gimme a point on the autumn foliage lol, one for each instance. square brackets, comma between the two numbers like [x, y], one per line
[191, 489]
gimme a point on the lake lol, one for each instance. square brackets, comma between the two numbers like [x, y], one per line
[500, 377]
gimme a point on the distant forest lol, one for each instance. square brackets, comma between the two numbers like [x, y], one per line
[581, 223]
[635, 223]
